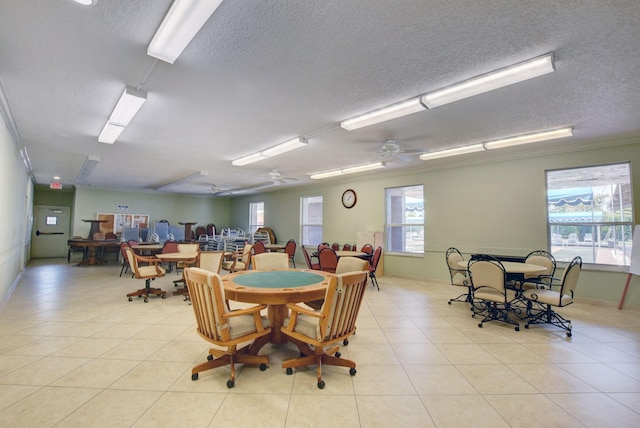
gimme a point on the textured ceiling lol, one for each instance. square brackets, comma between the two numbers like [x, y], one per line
[263, 71]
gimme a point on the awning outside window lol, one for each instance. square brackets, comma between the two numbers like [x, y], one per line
[573, 197]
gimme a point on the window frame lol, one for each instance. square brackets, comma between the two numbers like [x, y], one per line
[305, 222]
[582, 241]
[254, 212]
[389, 226]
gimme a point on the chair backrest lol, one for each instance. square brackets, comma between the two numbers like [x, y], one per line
[211, 260]
[188, 248]
[259, 248]
[542, 258]
[305, 253]
[169, 247]
[211, 229]
[266, 261]
[458, 275]
[375, 259]
[246, 253]
[367, 248]
[290, 248]
[570, 280]
[346, 247]
[323, 245]
[200, 230]
[207, 300]
[335, 246]
[351, 264]
[328, 260]
[341, 305]
[147, 271]
[110, 236]
[487, 271]
[133, 243]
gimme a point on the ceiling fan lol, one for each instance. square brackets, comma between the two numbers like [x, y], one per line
[391, 150]
[276, 177]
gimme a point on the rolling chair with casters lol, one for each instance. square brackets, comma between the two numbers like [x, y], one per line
[148, 273]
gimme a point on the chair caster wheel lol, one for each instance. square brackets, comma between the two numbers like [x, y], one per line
[338, 354]
[194, 376]
[131, 299]
[321, 384]
[517, 328]
[526, 326]
[230, 384]
[263, 367]
[480, 325]
[209, 357]
[352, 371]
[146, 300]
[568, 334]
[449, 302]
[289, 371]
[345, 342]
[164, 296]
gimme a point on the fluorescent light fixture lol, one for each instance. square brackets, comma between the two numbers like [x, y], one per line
[87, 168]
[85, 2]
[529, 138]
[126, 108]
[292, 144]
[386, 113]
[26, 160]
[487, 82]
[179, 26]
[452, 152]
[248, 159]
[128, 105]
[110, 133]
[351, 170]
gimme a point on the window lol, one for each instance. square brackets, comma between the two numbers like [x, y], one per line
[51, 220]
[590, 214]
[405, 219]
[256, 216]
[311, 216]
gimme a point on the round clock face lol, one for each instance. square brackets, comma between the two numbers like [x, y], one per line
[349, 198]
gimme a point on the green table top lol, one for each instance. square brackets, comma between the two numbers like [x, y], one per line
[278, 279]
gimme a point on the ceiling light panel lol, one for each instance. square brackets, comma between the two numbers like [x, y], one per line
[452, 152]
[128, 105]
[487, 82]
[287, 146]
[394, 111]
[110, 133]
[179, 26]
[530, 138]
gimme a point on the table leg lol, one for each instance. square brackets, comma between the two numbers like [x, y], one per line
[277, 314]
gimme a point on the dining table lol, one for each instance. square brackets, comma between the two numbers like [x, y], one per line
[276, 288]
[275, 247]
[359, 254]
[93, 256]
[188, 258]
[514, 270]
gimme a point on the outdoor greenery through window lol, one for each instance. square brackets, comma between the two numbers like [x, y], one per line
[404, 227]
[311, 220]
[590, 214]
[256, 216]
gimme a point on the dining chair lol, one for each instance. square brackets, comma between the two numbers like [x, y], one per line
[210, 260]
[459, 277]
[352, 264]
[317, 334]
[224, 328]
[543, 279]
[328, 260]
[367, 248]
[259, 248]
[335, 246]
[307, 258]
[239, 260]
[290, 250]
[185, 248]
[540, 302]
[272, 260]
[373, 266]
[491, 298]
[150, 272]
[76, 249]
[124, 258]
[346, 247]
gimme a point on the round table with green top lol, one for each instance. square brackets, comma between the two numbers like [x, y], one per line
[276, 288]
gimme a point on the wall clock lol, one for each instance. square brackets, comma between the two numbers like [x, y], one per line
[349, 198]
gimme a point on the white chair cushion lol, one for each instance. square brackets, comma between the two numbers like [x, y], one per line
[147, 271]
[549, 297]
[493, 295]
[243, 325]
[309, 326]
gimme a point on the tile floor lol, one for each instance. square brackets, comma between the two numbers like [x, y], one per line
[75, 353]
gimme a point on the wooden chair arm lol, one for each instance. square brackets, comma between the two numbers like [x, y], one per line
[245, 311]
[302, 310]
[150, 260]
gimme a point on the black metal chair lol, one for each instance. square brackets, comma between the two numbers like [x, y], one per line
[459, 276]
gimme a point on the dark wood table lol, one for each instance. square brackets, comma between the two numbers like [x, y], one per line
[93, 256]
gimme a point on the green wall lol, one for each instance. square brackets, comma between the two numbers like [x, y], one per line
[495, 205]
[175, 208]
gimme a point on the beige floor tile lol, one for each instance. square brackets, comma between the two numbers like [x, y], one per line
[134, 349]
[46, 407]
[597, 410]
[327, 410]
[466, 353]
[252, 410]
[439, 379]
[422, 353]
[11, 394]
[382, 380]
[532, 410]
[384, 411]
[152, 376]
[513, 353]
[455, 411]
[9, 363]
[549, 378]
[446, 335]
[370, 353]
[495, 379]
[111, 409]
[43, 371]
[88, 347]
[405, 335]
[603, 378]
[97, 373]
[558, 353]
[629, 399]
[186, 409]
